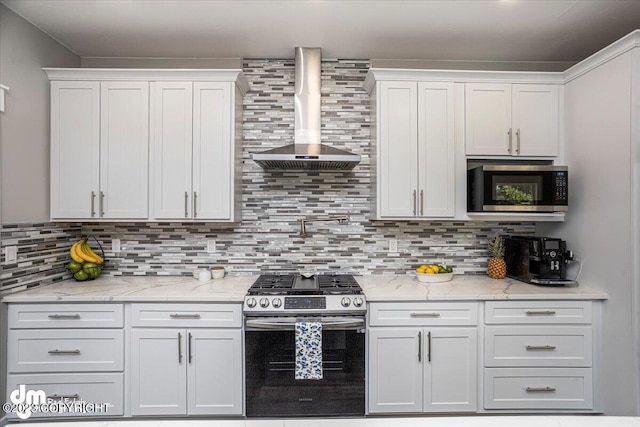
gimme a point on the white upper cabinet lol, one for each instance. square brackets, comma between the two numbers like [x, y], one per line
[505, 119]
[172, 150]
[99, 150]
[413, 148]
[146, 144]
[75, 149]
[124, 150]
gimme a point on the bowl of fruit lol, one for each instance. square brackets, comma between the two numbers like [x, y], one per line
[434, 273]
[85, 263]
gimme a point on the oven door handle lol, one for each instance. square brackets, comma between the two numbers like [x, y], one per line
[288, 324]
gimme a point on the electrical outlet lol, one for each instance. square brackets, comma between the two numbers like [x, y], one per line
[211, 246]
[115, 245]
[393, 246]
[10, 255]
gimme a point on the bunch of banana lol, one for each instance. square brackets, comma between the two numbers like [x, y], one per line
[86, 264]
[81, 252]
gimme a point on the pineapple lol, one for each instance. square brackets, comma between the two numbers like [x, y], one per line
[496, 268]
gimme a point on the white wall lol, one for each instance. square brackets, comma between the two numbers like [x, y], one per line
[599, 224]
[24, 126]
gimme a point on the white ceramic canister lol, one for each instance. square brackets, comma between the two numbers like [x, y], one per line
[204, 275]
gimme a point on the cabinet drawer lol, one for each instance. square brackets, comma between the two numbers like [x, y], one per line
[209, 315]
[554, 346]
[95, 389]
[538, 388]
[68, 350]
[60, 316]
[423, 314]
[538, 312]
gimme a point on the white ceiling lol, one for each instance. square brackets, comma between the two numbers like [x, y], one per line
[488, 30]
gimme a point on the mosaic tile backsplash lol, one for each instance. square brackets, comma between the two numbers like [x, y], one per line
[273, 202]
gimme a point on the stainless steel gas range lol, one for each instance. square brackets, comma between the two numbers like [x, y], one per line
[305, 346]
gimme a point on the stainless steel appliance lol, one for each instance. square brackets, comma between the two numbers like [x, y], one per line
[307, 152]
[517, 188]
[272, 307]
[537, 260]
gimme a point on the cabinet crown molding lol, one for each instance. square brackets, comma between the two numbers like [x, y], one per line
[146, 74]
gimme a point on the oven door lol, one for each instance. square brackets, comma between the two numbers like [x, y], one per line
[272, 390]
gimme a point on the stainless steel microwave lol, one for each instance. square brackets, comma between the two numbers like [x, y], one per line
[517, 188]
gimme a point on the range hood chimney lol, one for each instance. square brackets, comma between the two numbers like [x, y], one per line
[307, 152]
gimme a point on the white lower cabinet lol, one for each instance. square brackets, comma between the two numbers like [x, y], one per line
[74, 353]
[538, 356]
[422, 369]
[185, 371]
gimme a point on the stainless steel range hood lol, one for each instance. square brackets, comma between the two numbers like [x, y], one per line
[307, 152]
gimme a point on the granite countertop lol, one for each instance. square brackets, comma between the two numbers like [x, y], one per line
[234, 288]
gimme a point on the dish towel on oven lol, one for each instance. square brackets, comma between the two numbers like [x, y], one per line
[308, 351]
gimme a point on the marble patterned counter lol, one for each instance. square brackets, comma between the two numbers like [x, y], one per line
[469, 287]
[139, 289]
[234, 288]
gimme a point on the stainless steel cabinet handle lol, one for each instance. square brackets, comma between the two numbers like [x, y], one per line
[179, 347]
[425, 315]
[421, 202]
[101, 203]
[414, 203]
[547, 388]
[195, 198]
[510, 141]
[65, 397]
[419, 346]
[184, 316]
[540, 313]
[64, 316]
[93, 203]
[518, 141]
[541, 347]
[186, 204]
[429, 347]
[64, 351]
[189, 349]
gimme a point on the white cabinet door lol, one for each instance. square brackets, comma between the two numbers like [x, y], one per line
[214, 373]
[436, 162]
[535, 120]
[75, 149]
[451, 372]
[395, 370]
[397, 149]
[172, 150]
[124, 150]
[488, 119]
[158, 374]
[213, 156]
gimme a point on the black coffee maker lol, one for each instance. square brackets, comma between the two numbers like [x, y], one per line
[537, 260]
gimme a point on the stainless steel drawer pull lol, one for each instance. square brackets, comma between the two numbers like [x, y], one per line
[541, 347]
[189, 351]
[179, 347]
[186, 204]
[419, 346]
[541, 313]
[414, 203]
[184, 316]
[64, 351]
[64, 316]
[425, 314]
[65, 397]
[533, 389]
[93, 203]
[429, 348]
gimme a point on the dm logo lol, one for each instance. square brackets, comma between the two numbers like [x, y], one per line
[24, 400]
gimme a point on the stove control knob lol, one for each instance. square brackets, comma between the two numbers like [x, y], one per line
[264, 303]
[357, 301]
[345, 301]
[276, 303]
[251, 302]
